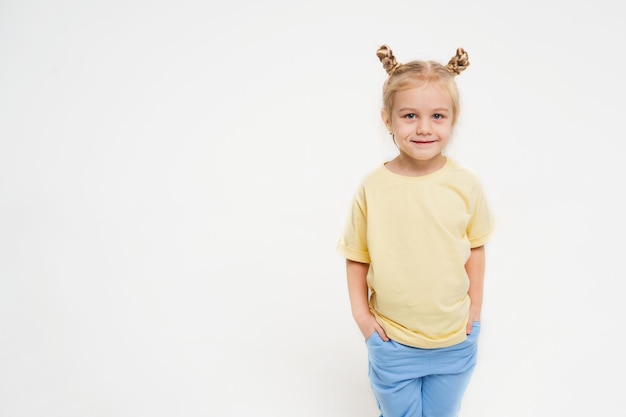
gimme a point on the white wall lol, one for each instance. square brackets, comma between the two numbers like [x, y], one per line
[174, 177]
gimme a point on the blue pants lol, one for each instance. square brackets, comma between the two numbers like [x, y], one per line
[412, 382]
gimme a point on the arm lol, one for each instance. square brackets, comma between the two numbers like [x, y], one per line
[359, 300]
[475, 268]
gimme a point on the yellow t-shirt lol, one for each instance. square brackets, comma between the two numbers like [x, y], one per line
[416, 234]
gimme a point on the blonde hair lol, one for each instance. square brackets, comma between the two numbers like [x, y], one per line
[414, 74]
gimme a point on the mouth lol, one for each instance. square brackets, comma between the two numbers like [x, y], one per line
[423, 142]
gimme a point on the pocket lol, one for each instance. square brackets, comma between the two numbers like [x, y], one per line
[475, 330]
[374, 335]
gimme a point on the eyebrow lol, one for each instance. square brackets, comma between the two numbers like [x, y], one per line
[438, 109]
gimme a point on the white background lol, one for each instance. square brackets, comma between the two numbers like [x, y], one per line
[174, 177]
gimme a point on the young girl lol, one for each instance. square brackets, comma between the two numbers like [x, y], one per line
[414, 248]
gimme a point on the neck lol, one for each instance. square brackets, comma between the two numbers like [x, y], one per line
[405, 165]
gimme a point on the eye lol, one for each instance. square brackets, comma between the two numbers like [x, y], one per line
[410, 116]
[438, 116]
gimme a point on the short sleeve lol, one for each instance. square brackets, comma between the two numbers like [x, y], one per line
[482, 222]
[353, 242]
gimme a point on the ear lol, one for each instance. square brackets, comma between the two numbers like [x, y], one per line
[386, 119]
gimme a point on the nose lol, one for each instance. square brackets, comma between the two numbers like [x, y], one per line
[423, 127]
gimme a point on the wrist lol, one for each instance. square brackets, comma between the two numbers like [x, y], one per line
[476, 306]
[361, 314]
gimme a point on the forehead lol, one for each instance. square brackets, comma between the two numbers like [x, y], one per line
[424, 96]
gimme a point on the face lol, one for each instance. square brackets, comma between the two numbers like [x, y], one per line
[421, 122]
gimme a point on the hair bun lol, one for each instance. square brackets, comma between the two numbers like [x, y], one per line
[389, 62]
[459, 62]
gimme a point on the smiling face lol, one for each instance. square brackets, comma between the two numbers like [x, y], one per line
[421, 122]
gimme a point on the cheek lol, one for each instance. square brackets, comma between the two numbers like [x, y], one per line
[445, 129]
[404, 131]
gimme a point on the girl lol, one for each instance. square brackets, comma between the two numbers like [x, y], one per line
[414, 248]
